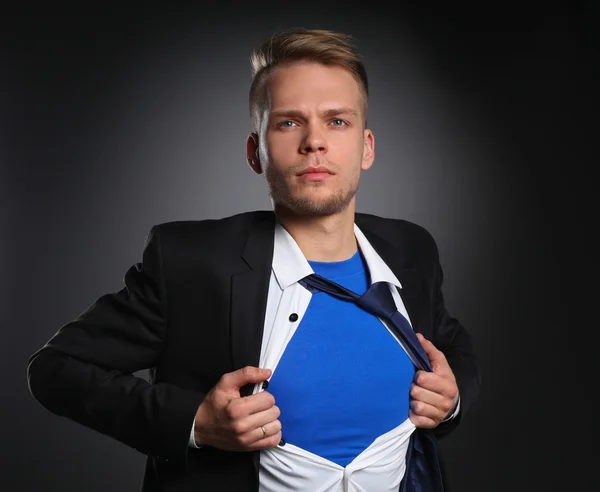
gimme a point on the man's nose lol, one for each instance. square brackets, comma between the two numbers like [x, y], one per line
[314, 140]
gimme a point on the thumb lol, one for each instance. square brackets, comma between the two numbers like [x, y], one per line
[249, 374]
[436, 357]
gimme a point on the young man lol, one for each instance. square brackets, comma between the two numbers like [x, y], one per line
[259, 380]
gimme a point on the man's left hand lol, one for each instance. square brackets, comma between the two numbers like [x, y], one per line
[433, 395]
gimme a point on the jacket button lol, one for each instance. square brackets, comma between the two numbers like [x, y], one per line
[282, 442]
[293, 317]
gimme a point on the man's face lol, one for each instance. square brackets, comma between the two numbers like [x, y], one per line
[312, 145]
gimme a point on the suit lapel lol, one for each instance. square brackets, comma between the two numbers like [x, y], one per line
[249, 290]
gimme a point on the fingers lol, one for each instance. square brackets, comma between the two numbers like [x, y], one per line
[442, 385]
[422, 421]
[270, 441]
[238, 425]
[239, 408]
[432, 399]
[427, 414]
[233, 381]
[426, 396]
[255, 421]
[227, 421]
[269, 433]
[259, 431]
[422, 409]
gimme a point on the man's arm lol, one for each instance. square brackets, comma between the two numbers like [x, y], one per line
[84, 372]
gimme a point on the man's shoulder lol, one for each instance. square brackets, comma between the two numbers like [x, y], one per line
[243, 220]
[392, 229]
[220, 231]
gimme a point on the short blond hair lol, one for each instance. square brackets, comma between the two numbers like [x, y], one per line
[303, 45]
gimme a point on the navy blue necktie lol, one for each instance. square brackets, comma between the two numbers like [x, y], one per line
[423, 472]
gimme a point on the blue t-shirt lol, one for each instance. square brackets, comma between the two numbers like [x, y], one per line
[343, 379]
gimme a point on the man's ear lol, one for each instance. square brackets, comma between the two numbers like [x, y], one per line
[252, 153]
[368, 150]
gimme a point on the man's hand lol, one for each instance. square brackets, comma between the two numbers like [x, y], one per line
[434, 395]
[227, 421]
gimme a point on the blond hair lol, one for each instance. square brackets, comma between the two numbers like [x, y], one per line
[303, 45]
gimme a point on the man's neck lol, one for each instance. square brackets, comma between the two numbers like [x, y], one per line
[327, 239]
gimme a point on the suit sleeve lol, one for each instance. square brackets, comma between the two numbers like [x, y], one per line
[84, 372]
[454, 341]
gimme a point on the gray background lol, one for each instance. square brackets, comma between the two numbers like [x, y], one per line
[115, 119]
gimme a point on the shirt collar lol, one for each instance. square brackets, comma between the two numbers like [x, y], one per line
[290, 265]
[378, 269]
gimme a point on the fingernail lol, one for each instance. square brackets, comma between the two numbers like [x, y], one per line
[265, 385]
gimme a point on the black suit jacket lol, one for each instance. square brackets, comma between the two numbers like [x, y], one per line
[192, 310]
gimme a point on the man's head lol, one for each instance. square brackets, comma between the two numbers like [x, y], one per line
[325, 47]
[308, 104]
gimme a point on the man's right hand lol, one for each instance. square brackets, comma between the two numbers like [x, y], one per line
[228, 421]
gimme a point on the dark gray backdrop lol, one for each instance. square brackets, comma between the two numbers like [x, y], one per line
[116, 119]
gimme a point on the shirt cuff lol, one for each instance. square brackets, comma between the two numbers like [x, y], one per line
[192, 441]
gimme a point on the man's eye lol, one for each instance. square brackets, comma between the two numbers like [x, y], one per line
[338, 122]
[286, 124]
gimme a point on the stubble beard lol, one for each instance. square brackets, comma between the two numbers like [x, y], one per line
[306, 205]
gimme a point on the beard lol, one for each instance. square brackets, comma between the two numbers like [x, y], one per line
[307, 205]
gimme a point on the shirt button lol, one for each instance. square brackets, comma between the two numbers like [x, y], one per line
[293, 317]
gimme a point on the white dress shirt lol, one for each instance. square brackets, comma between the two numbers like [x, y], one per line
[380, 467]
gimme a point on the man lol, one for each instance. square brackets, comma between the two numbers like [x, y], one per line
[258, 380]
